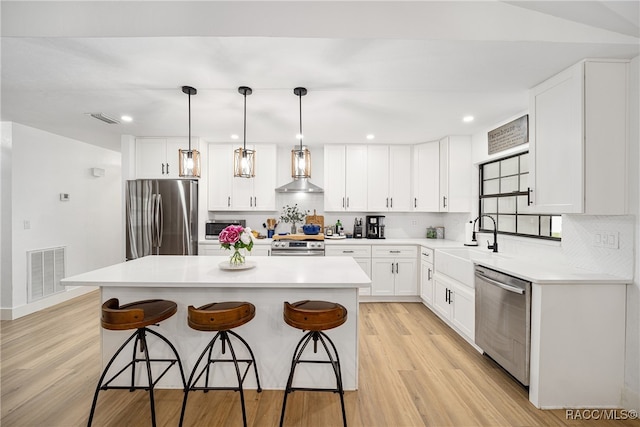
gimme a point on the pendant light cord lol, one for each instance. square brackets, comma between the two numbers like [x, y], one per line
[190, 153]
[244, 144]
[300, 98]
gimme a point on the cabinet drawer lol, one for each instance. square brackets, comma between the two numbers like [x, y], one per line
[426, 254]
[395, 251]
[344, 250]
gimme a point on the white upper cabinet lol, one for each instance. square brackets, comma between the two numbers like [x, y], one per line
[578, 140]
[455, 174]
[426, 177]
[345, 178]
[228, 193]
[158, 157]
[389, 178]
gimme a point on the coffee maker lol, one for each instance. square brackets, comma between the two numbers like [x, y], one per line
[375, 226]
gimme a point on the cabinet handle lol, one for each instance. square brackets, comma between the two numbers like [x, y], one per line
[415, 202]
[162, 168]
[529, 201]
[447, 296]
[387, 202]
[255, 202]
[343, 202]
[391, 268]
[347, 252]
[391, 202]
[394, 252]
[397, 268]
[428, 274]
[347, 201]
[167, 168]
[250, 202]
[425, 254]
[229, 201]
[444, 201]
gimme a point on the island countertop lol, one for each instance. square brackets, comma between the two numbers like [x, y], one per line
[205, 271]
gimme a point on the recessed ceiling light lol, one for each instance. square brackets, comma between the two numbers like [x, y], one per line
[126, 118]
[467, 119]
[234, 136]
[371, 136]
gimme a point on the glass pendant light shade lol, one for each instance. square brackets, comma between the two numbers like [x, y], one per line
[189, 160]
[244, 163]
[189, 164]
[244, 160]
[300, 162]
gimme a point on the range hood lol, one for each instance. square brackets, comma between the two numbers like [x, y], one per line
[300, 185]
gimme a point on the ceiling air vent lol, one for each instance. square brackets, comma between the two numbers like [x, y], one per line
[106, 119]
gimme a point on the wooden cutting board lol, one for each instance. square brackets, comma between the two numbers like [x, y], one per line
[316, 219]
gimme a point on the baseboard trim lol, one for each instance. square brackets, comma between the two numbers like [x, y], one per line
[23, 310]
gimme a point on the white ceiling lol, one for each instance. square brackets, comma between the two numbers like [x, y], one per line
[404, 71]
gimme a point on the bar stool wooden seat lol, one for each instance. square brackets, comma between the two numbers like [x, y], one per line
[315, 317]
[220, 317]
[137, 315]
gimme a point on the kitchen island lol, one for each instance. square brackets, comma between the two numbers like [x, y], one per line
[198, 280]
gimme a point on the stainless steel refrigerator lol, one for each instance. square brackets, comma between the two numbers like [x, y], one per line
[162, 217]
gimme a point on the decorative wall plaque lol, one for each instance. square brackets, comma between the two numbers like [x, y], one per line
[509, 135]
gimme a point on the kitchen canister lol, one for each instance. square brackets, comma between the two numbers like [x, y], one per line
[439, 232]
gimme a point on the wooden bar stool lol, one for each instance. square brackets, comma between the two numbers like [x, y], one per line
[137, 315]
[221, 317]
[315, 317]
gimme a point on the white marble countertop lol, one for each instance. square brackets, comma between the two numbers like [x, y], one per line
[204, 271]
[546, 273]
[534, 271]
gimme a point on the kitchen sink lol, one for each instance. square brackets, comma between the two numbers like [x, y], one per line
[457, 263]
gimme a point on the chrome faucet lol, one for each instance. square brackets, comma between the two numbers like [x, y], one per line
[493, 247]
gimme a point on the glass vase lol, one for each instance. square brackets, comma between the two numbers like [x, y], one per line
[237, 258]
[294, 229]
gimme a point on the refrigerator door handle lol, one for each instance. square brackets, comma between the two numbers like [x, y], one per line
[160, 226]
[154, 221]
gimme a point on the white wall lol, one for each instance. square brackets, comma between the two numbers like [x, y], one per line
[89, 224]
[5, 214]
[631, 393]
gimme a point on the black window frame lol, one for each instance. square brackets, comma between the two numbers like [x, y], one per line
[516, 194]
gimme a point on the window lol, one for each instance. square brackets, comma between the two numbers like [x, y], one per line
[504, 187]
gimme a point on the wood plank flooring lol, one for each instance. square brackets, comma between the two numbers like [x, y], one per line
[414, 371]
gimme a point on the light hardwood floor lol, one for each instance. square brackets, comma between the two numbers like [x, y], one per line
[414, 371]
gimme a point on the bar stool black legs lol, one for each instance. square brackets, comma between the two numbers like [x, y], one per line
[196, 375]
[221, 317]
[315, 317]
[333, 359]
[137, 315]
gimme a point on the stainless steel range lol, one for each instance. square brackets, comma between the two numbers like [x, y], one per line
[297, 245]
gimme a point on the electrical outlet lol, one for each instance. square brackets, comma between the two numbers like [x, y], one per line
[597, 240]
[414, 223]
[27, 224]
[612, 240]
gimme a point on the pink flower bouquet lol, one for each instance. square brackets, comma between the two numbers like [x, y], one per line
[236, 237]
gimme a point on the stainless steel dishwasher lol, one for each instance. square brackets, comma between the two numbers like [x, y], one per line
[503, 320]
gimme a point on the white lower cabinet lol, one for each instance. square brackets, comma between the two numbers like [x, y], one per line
[394, 271]
[455, 303]
[426, 276]
[360, 253]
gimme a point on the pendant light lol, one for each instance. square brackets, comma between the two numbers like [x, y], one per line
[189, 160]
[300, 161]
[300, 157]
[243, 159]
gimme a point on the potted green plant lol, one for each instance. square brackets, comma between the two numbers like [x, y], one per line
[293, 215]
